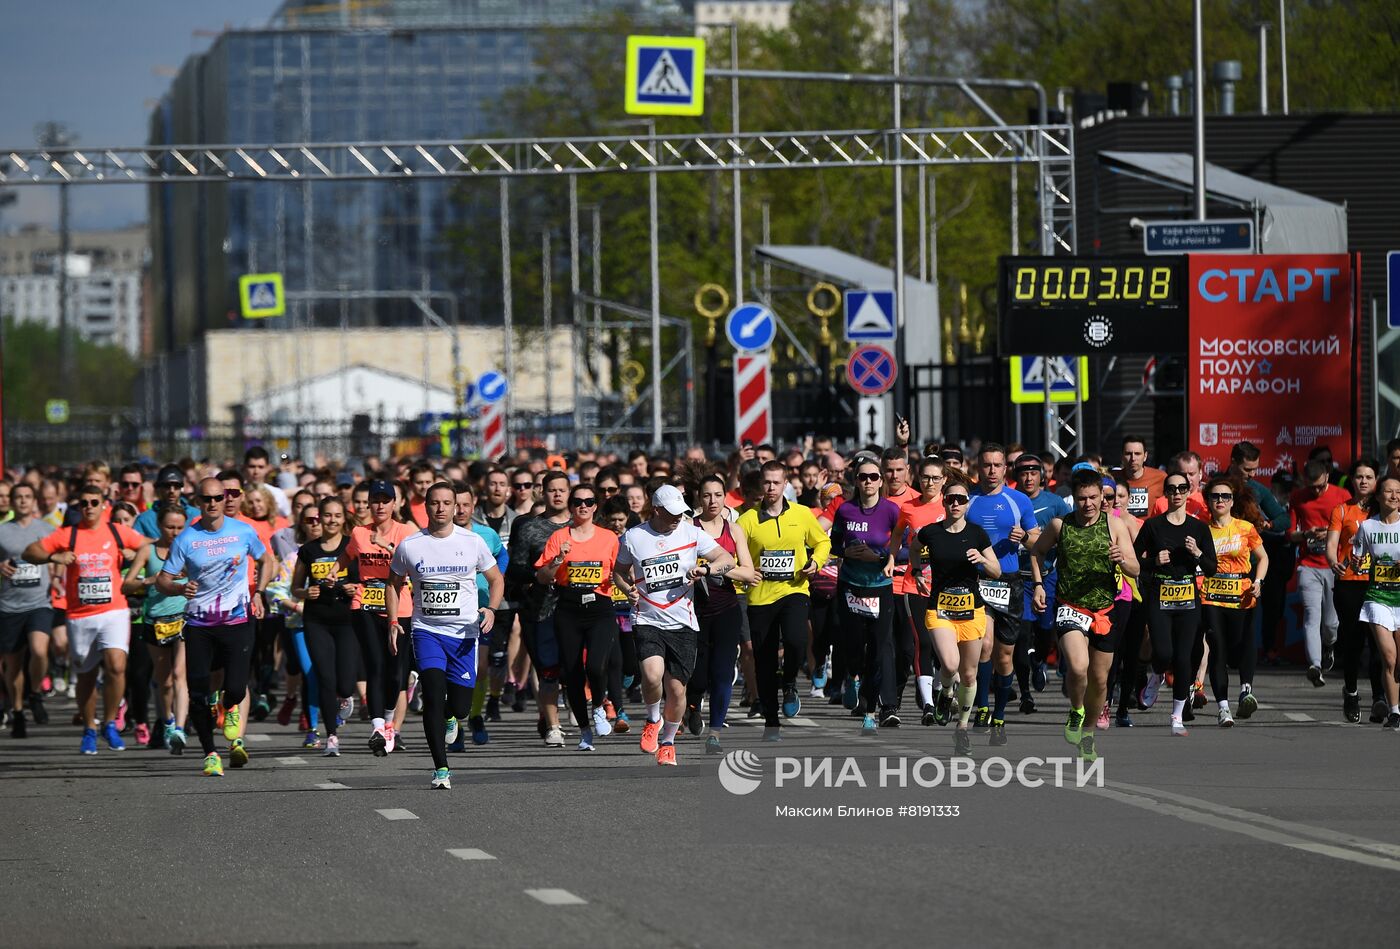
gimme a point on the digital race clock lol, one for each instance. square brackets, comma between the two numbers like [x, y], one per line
[1069, 305]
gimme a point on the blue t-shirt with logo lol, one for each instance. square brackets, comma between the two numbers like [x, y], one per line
[219, 561]
[997, 514]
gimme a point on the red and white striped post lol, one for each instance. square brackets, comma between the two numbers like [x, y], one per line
[753, 403]
[493, 430]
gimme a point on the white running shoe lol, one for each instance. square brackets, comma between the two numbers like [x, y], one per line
[601, 726]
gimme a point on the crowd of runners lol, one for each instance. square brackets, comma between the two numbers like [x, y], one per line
[941, 585]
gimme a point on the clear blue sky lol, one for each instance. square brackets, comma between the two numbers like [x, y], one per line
[91, 65]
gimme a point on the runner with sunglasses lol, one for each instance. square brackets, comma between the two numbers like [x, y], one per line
[926, 509]
[1171, 548]
[1353, 577]
[1229, 595]
[320, 583]
[1378, 538]
[1031, 669]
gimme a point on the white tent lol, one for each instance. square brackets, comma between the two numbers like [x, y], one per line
[355, 390]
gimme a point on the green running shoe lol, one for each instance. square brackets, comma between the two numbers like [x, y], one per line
[237, 754]
[1074, 727]
[232, 719]
[442, 780]
[213, 767]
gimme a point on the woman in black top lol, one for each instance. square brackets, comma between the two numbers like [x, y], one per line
[1171, 547]
[330, 639]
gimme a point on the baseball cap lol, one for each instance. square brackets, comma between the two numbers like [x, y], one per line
[345, 480]
[556, 462]
[381, 488]
[170, 474]
[668, 498]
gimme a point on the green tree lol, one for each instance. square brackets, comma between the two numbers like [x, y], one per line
[104, 378]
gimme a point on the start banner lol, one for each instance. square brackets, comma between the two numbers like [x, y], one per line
[1272, 357]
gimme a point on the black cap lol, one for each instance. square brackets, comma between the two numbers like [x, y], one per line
[170, 474]
[379, 488]
[1029, 461]
[344, 480]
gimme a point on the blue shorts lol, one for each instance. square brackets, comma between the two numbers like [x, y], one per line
[457, 657]
[1044, 620]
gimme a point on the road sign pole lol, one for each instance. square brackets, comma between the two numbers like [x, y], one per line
[656, 421]
[899, 385]
[738, 185]
[507, 318]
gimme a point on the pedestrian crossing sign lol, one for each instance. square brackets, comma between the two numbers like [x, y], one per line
[665, 75]
[260, 295]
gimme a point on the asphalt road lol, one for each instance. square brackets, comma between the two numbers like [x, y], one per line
[1279, 832]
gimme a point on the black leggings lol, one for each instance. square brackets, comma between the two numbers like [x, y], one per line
[913, 642]
[717, 651]
[585, 630]
[826, 639]
[438, 696]
[266, 632]
[385, 675]
[1231, 636]
[1352, 636]
[233, 645]
[139, 667]
[1175, 635]
[1124, 670]
[334, 655]
[784, 620]
[872, 639]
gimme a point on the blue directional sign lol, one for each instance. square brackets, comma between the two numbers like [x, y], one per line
[491, 387]
[665, 75]
[869, 315]
[751, 327]
[1198, 237]
[1392, 289]
[871, 370]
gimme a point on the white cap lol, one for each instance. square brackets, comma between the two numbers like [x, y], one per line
[668, 498]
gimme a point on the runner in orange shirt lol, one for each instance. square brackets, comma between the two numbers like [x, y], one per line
[1228, 596]
[914, 637]
[1353, 575]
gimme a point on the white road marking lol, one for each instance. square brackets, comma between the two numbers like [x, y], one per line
[291, 760]
[333, 786]
[258, 737]
[470, 853]
[1297, 716]
[556, 897]
[798, 722]
[395, 813]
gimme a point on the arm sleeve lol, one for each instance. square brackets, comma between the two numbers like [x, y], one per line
[704, 545]
[130, 539]
[485, 559]
[1274, 511]
[1028, 521]
[398, 563]
[1145, 540]
[255, 544]
[1207, 544]
[56, 541]
[1334, 523]
[838, 532]
[175, 561]
[624, 552]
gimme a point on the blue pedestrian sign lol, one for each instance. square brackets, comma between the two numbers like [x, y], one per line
[665, 75]
[1198, 237]
[1392, 289]
[751, 327]
[491, 387]
[871, 370]
[260, 295]
[869, 316]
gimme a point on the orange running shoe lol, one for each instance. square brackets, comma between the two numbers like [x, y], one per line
[608, 708]
[666, 754]
[650, 733]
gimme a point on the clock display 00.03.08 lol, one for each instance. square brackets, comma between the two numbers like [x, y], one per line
[1071, 283]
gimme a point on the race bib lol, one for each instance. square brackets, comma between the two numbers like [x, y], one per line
[956, 604]
[585, 573]
[1225, 588]
[1176, 594]
[996, 593]
[867, 606]
[1067, 617]
[662, 573]
[1385, 573]
[26, 575]
[94, 591]
[778, 564]
[168, 630]
[372, 596]
[1137, 502]
[440, 597]
[1316, 545]
[323, 570]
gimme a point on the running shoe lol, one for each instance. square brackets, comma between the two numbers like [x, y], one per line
[997, 735]
[17, 726]
[413, 687]
[1179, 728]
[983, 717]
[1248, 703]
[712, 745]
[232, 718]
[120, 720]
[493, 708]
[601, 726]
[554, 738]
[1329, 657]
[634, 693]
[651, 732]
[478, 727]
[622, 724]
[1087, 751]
[175, 738]
[888, 718]
[508, 693]
[868, 725]
[113, 737]
[1103, 717]
[1039, 677]
[1027, 704]
[1074, 727]
[585, 740]
[460, 745]
[261, 707]
[1351, 707]
[666, 754]
[1124, 720]
[1188, 714]
[89, 743]
[390, 738]
[518, 703]
[1315, 677]
[347, 708]
[452, 730]
[772, 733]
[1224, 719]
[312, 739]
[378, 743]
[37, 710]
[943, 709]
[819, 680]
[929, 716]
[213, 767]
[962, 742]
[1198, 696]
[791, 703]
[850, 692]
[237, 754]
[143, 733]
[1378, 710]
[442, 780]
[289, 705]
[1148, 696]
[1392, 722]
[332, 749]
[694, 723]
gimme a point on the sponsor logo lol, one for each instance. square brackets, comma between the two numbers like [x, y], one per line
[740, 772]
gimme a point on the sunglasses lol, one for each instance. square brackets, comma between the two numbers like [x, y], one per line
[867, 476]
[311, 520]
[133, 485]
[1178, 489]
[231, 493]
[212, 498]
[1219, 496]
[524, 486]
[582, 502]
[91, 502]
[955, 499]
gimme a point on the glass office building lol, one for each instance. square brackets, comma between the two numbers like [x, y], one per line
[354, 70]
